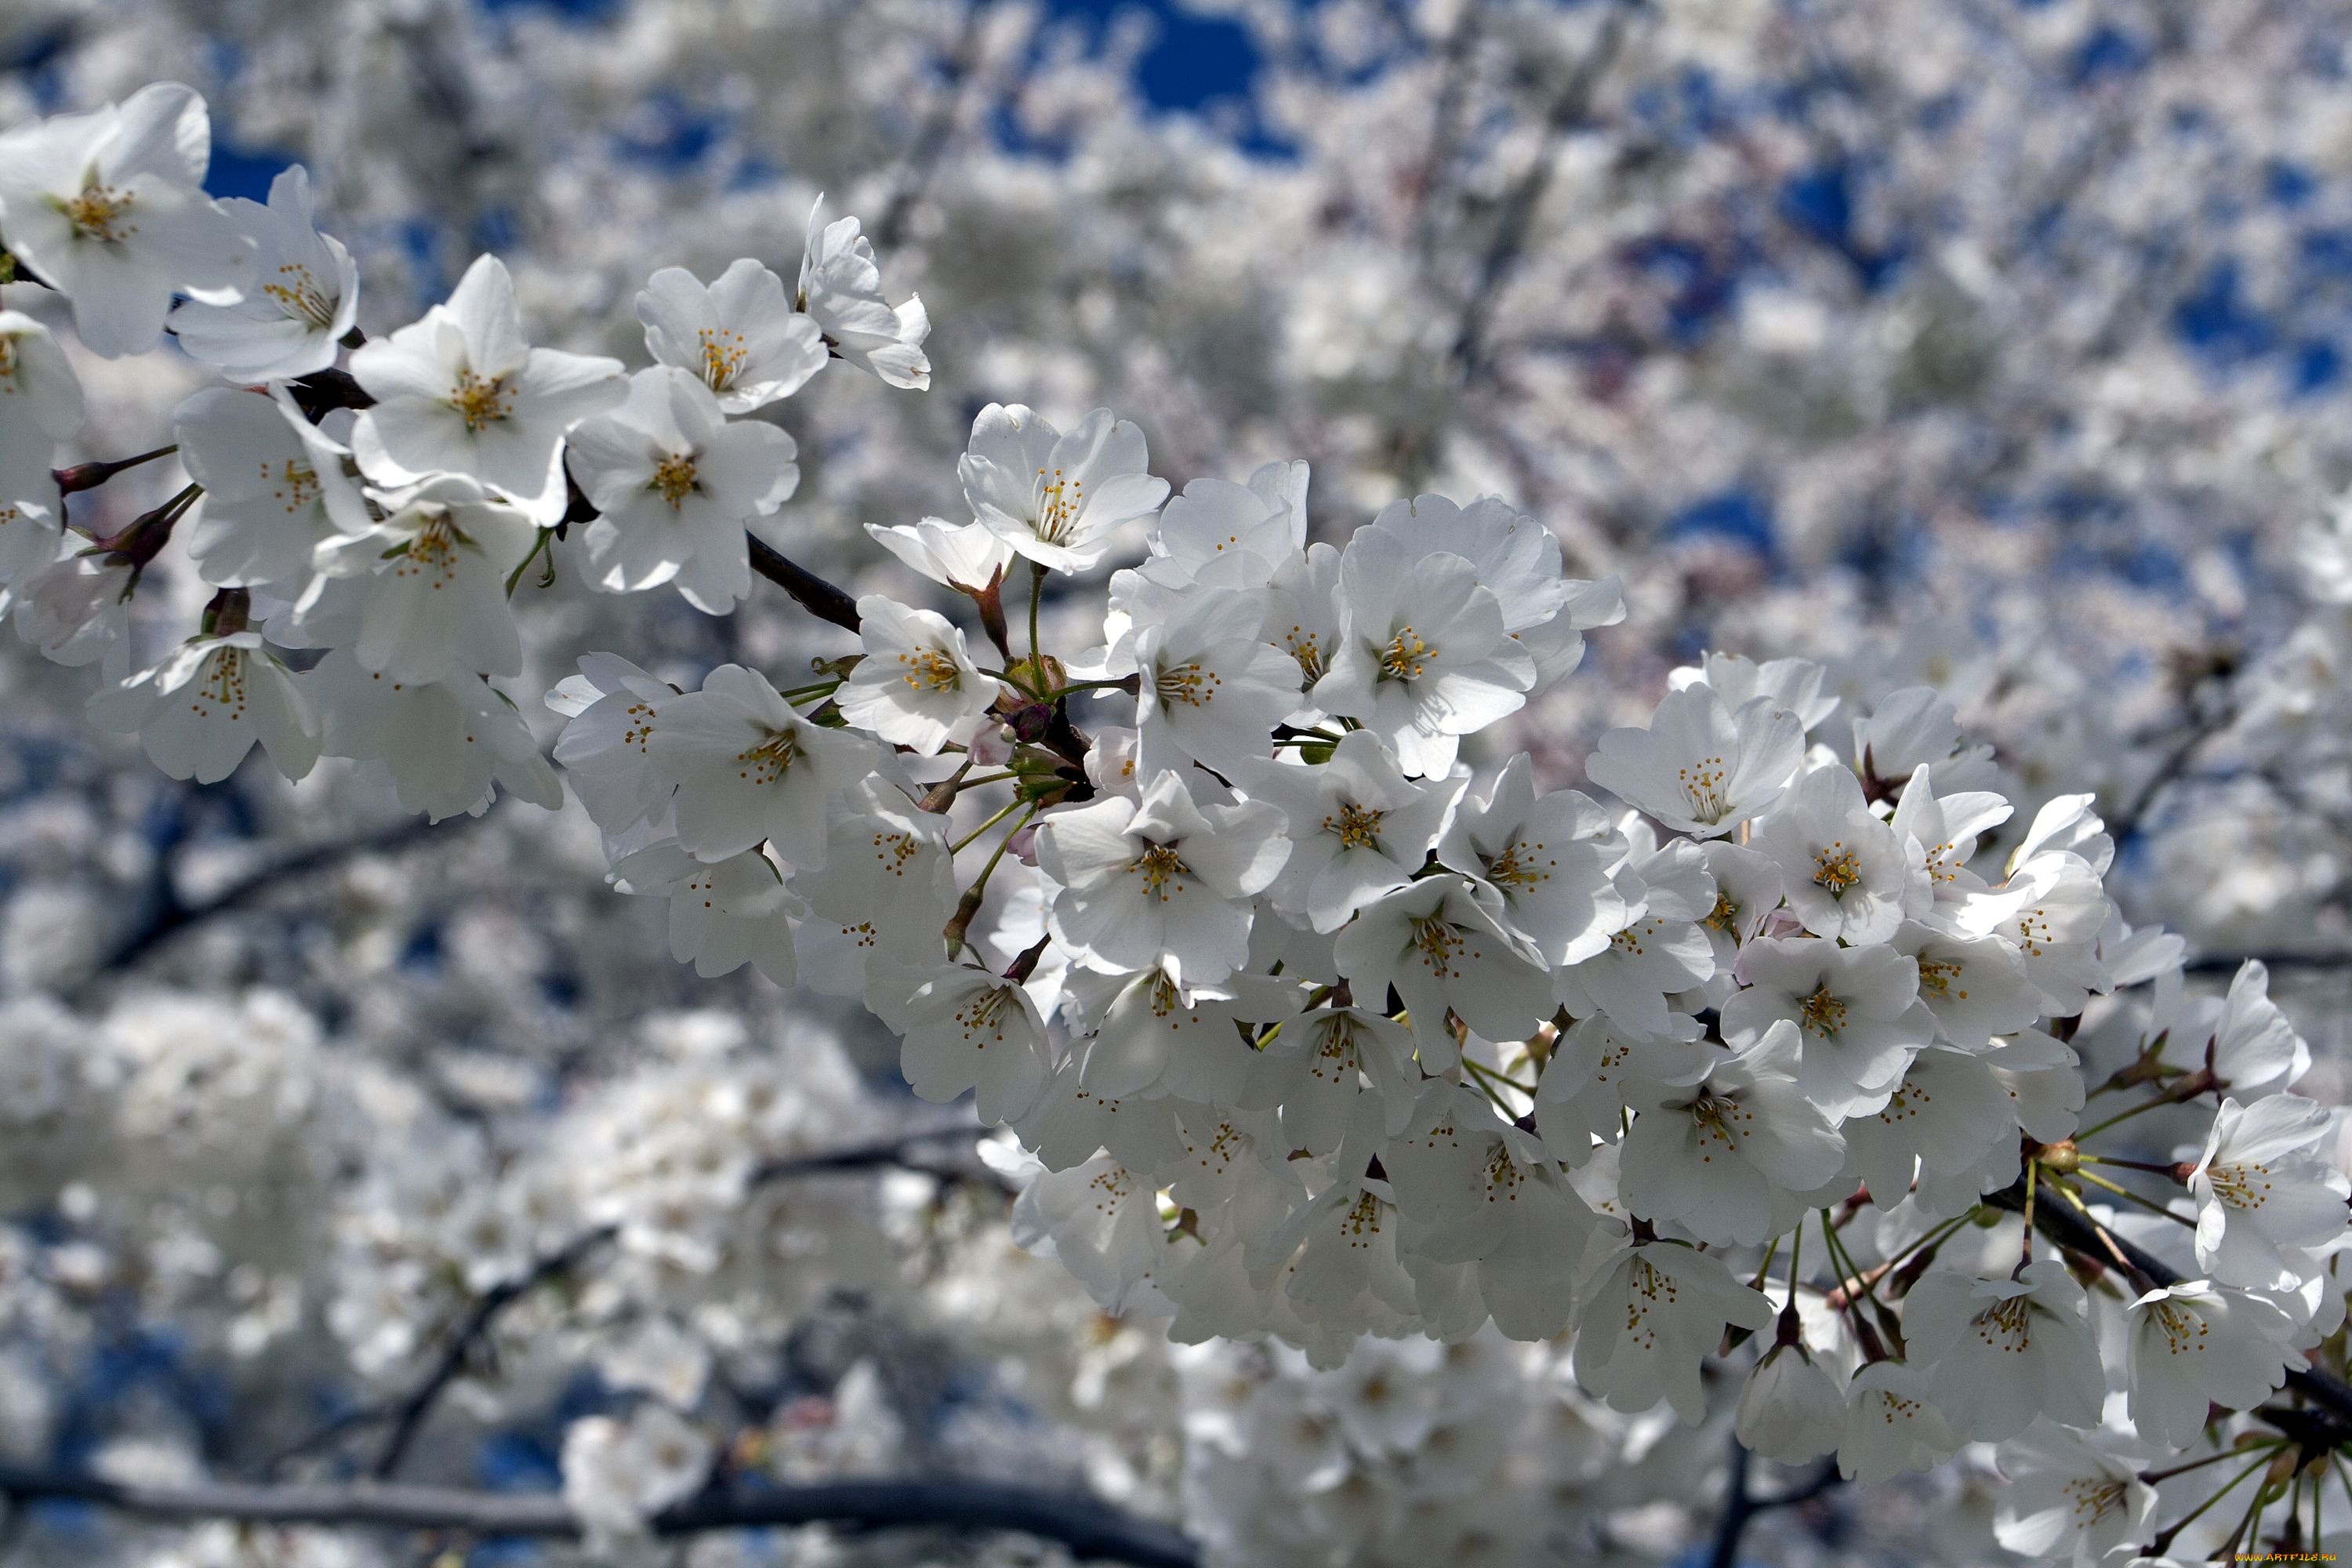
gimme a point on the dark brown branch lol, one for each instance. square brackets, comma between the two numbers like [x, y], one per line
[814, 595]
[1087, 1527]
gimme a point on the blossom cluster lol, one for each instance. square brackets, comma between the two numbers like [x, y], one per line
[1313, 1022]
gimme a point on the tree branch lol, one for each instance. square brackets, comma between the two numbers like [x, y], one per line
[1087, 1527]
[817, 596]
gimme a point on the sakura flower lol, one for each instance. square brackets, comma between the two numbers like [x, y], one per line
[969, 557]
[199, 711]
[1582, 1098]
[1358, 827]
[1791, 683]
[109, 206]
[2265, 1191]
[1435, 942]
[431, 578]
[1856, 1009]
[1318, 1065]
[1053, 498]
[737, 334]
[1160, 880]
[1948, 1113]
[2254, 1043]
[722, 915]
[1892, 1424]
[1918, 727]
[445, 744]
[39, 389]
[917, 686]
[841, 290]
[2051, 909]
[1791, 1409]
[675, 482]
[1103, 1220]
[2006, 1350]
[1221, 534]
[1208, 690]
[1975, 986]
[40, 404]
[749, 768]
[1662, 949]
[1842, 869]
[276, 487]
[1945, 831]
[614, 708]
[1158, 1036]
[303, 295]
[617, 1476]
[1422, 656]
[1541, 862]
[961, 1028]
[885, 868]
[463, 392]
[1729, 1156]
[2196, 1344]
[1702, 768]
[1647, 1317]
[2073, 1497]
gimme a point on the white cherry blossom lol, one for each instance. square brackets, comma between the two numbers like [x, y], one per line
[199, 711]
[2264, 1192]
[749, 768]
[917, 685]
[1358, 827]
[737, 334]
[841, 290]
[301, 299]
[2006, 1350]
[1702, 767]
[276, 487]
[1057, 498]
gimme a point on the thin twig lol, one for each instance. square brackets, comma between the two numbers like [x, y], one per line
[813, 594]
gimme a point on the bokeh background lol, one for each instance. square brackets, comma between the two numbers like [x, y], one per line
[1995, 345]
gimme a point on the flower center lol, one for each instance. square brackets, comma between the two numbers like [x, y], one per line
[1439, 943]
[2094, 1499]
[2008, 1325]
[1059, 501]
[223, 686]
[1405, 656]
[1822, 1014]
[1703, 784]
[674, 477]
[770, 759]
[1517, 867]
[1725, 915]
[984, 1014]
[1837, 869]
[724, 356]
[1938, 974]
[1188, 684]
[1358, 827]
[2182, 1331]
[481, 402]
[297, 294]
[98, 213]
[291, 483]
[1719, 1120]
[1163, 868]
[928, 669]
[432, 548]
[2243, 1185]
[1304, 647]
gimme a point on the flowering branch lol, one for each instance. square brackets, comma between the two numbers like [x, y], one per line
[1088, 1528]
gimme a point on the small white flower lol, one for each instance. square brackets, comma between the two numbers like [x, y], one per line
[445, 744]
[1661, 951]
[1856, 1010]
[2073, 1497]
[969, 557]
[886, 867]
[2266, 1192]
[614, 708]
[1053, 498]
[1842, 870]
[1160, 880]
[1159, 1036]
[675, 483]
[737, 334]
[463, 392]
[841, 290]
[749, 768]
[1791, 1409]
[1731, 1156]
[1702, 767]
[961, 1028]
[432, 582]
[2196, 1344]
[1359, 828]
[1435, 942]
[1207, 689]
[302, 298]
[617, 1476]
[1975, 986]
[199, 711]
[2005, 1350]
[1892, 1424]
[109, 207]
[1541, 862]
[275, 487]
[1948, 1112]
[1319, 1064]
[722, 914]
[1423, 657]
[40, 404]
[1648, 1318]
[917, 685]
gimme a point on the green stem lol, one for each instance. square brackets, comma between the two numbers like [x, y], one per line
[2122, 1116]
[961, 845]
[2164, 1537]
[537, 545]
[2147, 1203]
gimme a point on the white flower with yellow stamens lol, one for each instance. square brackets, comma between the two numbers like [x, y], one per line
[749, 768]
[1359, 828]
[917, 686]
[1056, 498]
[841, 290]
[463, 392]
[1541, 862]
[304, 295]
[676, 483]
[276, 486]
[1207, 689]
[1423, 657]
[109, 207]
[1160, 880]
[737, 334]
[2005, 1350]
[1842, 870]
[2266, 1191]
[199, 711]
[1856, 1009]
[1702, 767]
[2197, 1344]
[1437, 942]
[431, 583]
